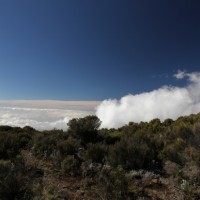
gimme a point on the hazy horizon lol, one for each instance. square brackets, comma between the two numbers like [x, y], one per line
[43, 114]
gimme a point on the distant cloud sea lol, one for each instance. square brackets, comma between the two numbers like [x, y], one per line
[43, 115]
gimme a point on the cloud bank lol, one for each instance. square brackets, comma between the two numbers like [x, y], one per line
[43, 115]
[165, 102]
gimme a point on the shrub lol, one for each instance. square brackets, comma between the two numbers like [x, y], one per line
[70, 165]
[114, 183]
[95, 153]
[86, 129]
[14, 187]
[169, 153]
[9, 145]
[130, 153]
[69, 146]
[43, 145]
[24, 139]
[13, 182]
[110, 136]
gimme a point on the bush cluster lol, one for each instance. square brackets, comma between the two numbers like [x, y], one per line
[105, 154]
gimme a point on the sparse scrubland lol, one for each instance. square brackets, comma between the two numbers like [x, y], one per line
[155, 160]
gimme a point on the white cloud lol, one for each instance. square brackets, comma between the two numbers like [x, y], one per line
[43, 115]
[180, 74]
[165, 102]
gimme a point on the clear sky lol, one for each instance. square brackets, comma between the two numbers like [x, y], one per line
[95, 49]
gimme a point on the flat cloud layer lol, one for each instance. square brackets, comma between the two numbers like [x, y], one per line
[163, 103]
[43, 115]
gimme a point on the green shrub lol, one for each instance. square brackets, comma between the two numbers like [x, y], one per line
[9, 145]
[24, 139]
[69, 146]
[169, 153]
[43, 145]
[70, 165]
[110, 136]
[13, 182]
[86, 129]
[14, 187]
[130, 153]
[114, 183]
[95, 153]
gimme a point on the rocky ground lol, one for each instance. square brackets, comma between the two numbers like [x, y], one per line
[143, 185]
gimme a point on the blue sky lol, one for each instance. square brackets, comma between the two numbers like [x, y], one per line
[94, 50]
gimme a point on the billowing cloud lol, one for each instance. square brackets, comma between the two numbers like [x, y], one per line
[43, 115]
[165, 102]
[180, 74]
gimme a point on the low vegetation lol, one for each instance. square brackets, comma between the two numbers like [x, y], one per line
[155, 160]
